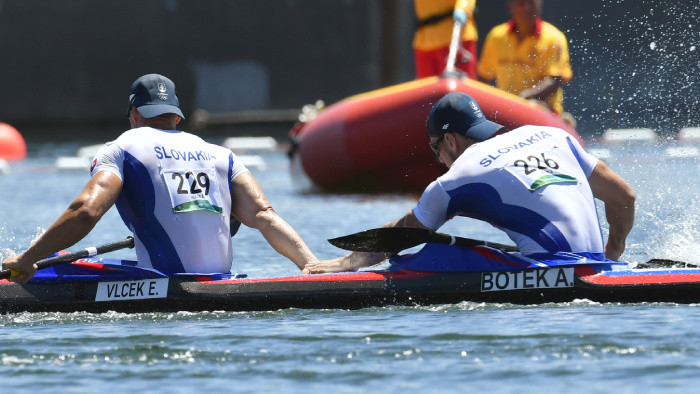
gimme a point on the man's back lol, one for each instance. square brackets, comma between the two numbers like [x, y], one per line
[175, 197]
[531, 182]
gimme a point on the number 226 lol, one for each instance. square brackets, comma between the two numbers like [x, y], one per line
[534, 163]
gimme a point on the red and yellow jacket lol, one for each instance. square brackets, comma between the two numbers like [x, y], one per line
[518, 65]
[435, 23]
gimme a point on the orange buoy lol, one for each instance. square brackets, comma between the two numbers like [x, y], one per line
[12, 146]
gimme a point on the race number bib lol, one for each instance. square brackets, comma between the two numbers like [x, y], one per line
[539, 170]
[193, 190]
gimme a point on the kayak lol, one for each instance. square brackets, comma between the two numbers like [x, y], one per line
[376, 141]
[488, 275]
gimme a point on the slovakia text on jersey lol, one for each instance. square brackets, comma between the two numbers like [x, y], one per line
[537, 137]
[164, 153]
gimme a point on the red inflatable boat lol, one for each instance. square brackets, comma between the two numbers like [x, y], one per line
[376, 141]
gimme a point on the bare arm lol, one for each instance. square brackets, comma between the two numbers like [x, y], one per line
[619, 199]
[356, 260]
[252, 208]
[74, 224]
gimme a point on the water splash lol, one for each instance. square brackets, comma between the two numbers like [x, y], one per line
[680, 240]
[633, 65]
[14, 244]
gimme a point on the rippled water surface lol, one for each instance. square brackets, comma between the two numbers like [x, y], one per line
[575, 347]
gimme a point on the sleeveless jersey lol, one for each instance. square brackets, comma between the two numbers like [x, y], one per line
[175, 198]
[531, 182]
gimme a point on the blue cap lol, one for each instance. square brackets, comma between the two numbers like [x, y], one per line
[154, 95]
[457, 112]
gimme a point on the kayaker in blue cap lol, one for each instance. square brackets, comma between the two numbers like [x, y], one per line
[177, 193]
[535, 183]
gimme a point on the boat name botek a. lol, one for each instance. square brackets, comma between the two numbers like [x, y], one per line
[540, 278]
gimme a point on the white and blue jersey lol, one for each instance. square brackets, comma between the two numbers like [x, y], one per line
[175, 198]
[531, 182]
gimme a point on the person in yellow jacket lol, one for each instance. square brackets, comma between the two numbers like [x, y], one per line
[527, 56]
[431, 43]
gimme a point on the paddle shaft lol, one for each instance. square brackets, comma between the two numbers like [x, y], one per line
[70, 257]
[667, 263]
[454, 46]
[440, 238]
[395, 239]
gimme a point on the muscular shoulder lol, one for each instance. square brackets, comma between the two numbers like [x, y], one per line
[108, 158]
[195, 140]
[132, 137]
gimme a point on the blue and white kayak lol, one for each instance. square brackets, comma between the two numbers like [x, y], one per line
[99, 285]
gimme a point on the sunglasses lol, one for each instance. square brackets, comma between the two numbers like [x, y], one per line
[434, 145]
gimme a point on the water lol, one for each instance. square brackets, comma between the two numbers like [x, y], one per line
[575, 347]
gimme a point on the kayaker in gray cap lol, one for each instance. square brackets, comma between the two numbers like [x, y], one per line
[536, 183]
[178, 194]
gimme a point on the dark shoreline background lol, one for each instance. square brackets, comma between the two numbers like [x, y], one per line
[67, 65]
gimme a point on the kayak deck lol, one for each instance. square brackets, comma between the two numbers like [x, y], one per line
[347, 290]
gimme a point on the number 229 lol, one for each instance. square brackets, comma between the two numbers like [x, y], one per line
[198, 181]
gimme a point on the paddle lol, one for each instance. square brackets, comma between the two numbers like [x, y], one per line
[454, 46]
[395, 239]
[666, 263]
[70, 257]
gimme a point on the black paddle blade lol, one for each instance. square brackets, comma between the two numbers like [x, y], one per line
[383, 239]
[666, 263]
